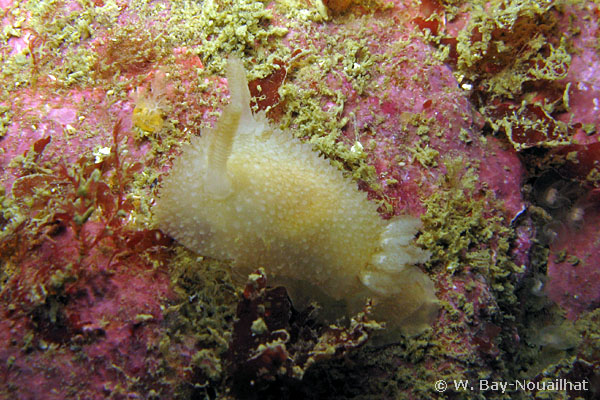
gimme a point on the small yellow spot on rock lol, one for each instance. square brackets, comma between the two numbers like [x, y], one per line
[258, 326]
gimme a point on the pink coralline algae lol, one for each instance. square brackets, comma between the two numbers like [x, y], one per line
[478, 118]
[572, 271]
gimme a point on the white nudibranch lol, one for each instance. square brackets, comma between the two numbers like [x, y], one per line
[249, 193]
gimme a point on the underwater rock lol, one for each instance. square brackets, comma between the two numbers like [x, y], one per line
[87, 286]
[574, 277]
[270, 343]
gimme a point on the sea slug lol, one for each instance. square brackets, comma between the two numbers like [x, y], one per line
[247, 192]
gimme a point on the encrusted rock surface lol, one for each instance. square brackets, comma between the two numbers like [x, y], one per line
[483, 124]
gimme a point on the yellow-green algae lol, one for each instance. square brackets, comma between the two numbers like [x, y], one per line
[5, 120]
[506, 50]
[460, 218]
[56, 34]
[527, 27]
[303, 106]
[211, 30]
[202, 317]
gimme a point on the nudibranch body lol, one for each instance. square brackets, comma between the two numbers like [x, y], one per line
[247, 192]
